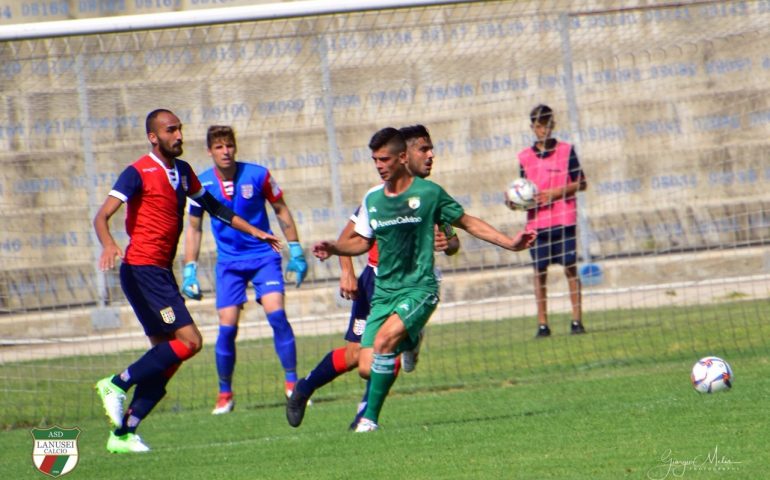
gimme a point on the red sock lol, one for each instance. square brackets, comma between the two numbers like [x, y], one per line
[338, 360]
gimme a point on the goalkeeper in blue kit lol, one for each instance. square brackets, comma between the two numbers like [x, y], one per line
[245, 188]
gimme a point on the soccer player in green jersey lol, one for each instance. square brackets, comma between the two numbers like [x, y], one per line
[401, 215]
[420, 160]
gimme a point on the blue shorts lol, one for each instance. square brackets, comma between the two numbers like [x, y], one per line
[154, 295]
[362, 305]
[233, 277]
[554, 245]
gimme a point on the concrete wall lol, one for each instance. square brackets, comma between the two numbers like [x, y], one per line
[671, 130]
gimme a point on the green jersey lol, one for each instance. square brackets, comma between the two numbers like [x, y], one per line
[403, 227]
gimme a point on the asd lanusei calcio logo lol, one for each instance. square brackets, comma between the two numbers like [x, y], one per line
[55, 449]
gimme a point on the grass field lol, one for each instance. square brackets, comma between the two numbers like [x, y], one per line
[615, 403]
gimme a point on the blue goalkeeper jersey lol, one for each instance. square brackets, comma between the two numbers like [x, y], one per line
[252, 188]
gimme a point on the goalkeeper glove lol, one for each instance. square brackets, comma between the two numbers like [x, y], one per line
[190, 285]
[297, 263]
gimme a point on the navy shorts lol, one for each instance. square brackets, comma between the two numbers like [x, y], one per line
[554, 245]
[233, 277]
[361, 305]
[154, 295]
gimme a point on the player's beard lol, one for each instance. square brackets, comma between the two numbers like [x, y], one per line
[173, 152]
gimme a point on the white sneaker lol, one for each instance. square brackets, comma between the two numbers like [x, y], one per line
[225, 404]
[128, 443]
[113, 398]
[366, 425]
[409, 357]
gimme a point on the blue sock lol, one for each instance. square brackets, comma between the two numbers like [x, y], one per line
[285, 347]
[329, 368]
[146, 396]
[225, 356]
[153, 363]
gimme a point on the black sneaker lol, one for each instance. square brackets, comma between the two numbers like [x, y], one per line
[295, 406]
[577, 328]
[543, 331]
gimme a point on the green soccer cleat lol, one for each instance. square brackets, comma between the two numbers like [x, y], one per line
[113, 398]
[128, 443]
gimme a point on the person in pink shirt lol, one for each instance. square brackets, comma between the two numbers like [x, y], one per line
[554, 167]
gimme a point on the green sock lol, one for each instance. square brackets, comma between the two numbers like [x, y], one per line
[381, 378]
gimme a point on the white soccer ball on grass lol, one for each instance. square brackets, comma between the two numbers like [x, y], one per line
[711, 374]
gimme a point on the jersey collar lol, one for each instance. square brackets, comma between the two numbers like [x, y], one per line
[171, 173]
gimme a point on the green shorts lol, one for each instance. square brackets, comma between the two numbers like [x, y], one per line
[414, 307]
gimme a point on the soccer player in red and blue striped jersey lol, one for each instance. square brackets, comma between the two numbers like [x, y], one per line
[154, 188]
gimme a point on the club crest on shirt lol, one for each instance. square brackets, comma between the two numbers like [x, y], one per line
[168, 316]
[359, 325]
[185, 184]
[247, 191]
[414, 203]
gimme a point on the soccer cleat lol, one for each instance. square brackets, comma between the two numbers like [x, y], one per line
[409, 358]
[289, 393]
[577, 328]
[543, 331]
[295, 407]
[128, 443]
[225, 404]
[366, 425]
[113, 398]
[359, 415]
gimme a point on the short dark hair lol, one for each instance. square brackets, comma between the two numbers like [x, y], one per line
[388, 136]
[219, 132]
[148, 124]
[541, 114]
[414, 131]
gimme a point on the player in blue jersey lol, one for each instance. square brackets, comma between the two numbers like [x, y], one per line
[154, 189]
[245, 188]
[419, 152]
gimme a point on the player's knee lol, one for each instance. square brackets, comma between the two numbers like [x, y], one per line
[185, 348]
[280, 324]
[352, 354]
[364, 366]
[193, 345]
[386, 343]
